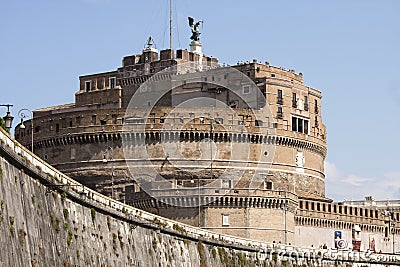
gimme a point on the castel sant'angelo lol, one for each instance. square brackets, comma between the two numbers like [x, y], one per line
[238, 150]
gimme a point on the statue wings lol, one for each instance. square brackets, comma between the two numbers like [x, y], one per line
[191, 21]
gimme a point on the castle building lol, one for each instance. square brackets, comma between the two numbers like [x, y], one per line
[235, 149]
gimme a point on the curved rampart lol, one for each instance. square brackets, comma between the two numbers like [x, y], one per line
[32, 169]
[49, 219]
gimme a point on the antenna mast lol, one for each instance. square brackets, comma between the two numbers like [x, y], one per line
[170, 24]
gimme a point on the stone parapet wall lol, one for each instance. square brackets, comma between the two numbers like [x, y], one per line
[48, 219]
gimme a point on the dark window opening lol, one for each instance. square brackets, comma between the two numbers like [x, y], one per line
[294, 100]
[103, 122]
[78, 120]
[88, 86]
[94, 119]
[272, 75]
[57, 127]
[280, 97]
[162, 120]
[112, 82]
[294, 124]
[316, 106]
[268, 185]
[300, 125]
[246, 89]
[306, 103]
[258, 123]
[280, 113]
[316, 122]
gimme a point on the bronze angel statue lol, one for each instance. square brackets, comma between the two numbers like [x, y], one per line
[194, 26]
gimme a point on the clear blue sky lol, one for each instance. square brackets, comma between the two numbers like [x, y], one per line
[347, 49]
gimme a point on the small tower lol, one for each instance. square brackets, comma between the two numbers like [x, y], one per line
[150, 52]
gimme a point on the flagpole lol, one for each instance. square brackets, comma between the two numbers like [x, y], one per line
[170, 24]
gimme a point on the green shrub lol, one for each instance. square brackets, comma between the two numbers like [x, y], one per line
[21, 237]
[93, 214]
[63, 196]
[66, 214]
[12, 228]
[69, 238]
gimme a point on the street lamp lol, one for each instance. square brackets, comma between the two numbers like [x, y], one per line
[8, 118]
[109, 150]
[22, 114]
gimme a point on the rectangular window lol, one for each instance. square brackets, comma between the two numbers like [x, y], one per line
[94, 119]
[88, 86]
[78, 120]
[225, 219]
[280, 97]
[112, 82]
[201, 120]
[294, 124]
[316, 106]
[294, 100]
[316, 122]
[306, 103]
[57, 127]
[258, 123]
[300, 125]
[280, 113]
[246, 89]
[306, 126]
[268, 185]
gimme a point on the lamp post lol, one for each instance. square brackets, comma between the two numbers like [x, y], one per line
[109, 150]
[7, 118]
[22, 115]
